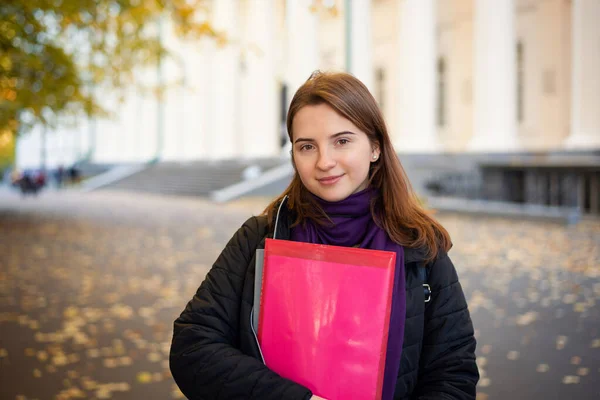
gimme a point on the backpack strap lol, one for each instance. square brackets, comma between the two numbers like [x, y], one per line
[424, 275]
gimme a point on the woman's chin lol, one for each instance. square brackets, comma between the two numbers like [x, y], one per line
[333, 195]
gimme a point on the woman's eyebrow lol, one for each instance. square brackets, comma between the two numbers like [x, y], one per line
[330, 137]
[340, 134]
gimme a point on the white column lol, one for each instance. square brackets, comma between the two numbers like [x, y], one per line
[224, 85]
[495, 122]
[196, 100]
[259, 89]
[416, 78]
[585, 101]
[361, 43]
[302, 46]
[173, 75]
[145, 136]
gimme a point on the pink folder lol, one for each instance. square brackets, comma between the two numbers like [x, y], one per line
[324, 316]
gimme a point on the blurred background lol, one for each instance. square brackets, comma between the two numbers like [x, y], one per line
[137, 135]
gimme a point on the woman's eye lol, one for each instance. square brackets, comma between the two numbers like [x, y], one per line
[306, 147]
[343, 141]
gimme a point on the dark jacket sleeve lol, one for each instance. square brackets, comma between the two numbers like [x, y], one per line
[447, 369]
[204, 359]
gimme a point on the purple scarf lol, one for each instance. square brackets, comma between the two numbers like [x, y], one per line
[354, 225]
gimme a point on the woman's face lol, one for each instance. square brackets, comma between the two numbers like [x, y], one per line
[332, 156]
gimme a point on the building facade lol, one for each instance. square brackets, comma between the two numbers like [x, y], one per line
[456, 76]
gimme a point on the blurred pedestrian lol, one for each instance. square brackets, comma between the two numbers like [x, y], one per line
[59, 176]
[74, 174]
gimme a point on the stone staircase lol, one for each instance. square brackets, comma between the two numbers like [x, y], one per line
[197, 178]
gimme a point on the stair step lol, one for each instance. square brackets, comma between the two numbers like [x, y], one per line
[198, 178]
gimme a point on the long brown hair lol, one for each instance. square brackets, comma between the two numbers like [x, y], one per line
[397, 210]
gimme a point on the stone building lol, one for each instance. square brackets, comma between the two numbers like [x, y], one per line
[452, 76]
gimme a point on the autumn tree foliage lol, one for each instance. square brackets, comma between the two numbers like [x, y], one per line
[53, 52]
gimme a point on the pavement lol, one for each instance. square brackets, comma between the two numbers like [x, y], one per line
[91, 283]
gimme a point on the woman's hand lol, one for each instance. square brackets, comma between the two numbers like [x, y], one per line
[317, 398]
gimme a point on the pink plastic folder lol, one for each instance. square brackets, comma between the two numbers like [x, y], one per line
[324, 316]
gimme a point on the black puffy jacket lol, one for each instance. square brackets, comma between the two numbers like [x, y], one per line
[215, 355]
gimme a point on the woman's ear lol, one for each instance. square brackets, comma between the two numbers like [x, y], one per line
[375, 153]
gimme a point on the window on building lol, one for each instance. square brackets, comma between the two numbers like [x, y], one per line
[520, 84]
[380, 86]
[441, 101]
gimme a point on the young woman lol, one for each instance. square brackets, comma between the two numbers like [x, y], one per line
[348, 189]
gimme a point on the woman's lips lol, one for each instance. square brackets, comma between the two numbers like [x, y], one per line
[330, 180]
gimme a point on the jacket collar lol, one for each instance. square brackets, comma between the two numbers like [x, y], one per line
[284, 219]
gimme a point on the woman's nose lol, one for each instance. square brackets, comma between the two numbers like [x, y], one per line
[325, 161]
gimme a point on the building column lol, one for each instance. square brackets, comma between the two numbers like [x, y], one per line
[494, 111]
[416, 78]
[199, 134]
[259, 86]
[302, 45]
[224, 137]
[360, 42]
[585, 100]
